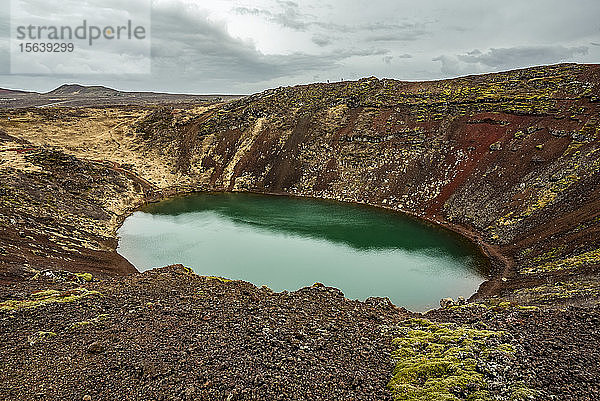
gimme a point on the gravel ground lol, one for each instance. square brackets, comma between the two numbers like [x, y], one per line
[556, 349]
[168, 334]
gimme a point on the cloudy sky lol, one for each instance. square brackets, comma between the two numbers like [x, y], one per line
[226, 46]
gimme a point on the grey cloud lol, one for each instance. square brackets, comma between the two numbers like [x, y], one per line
[334, 38]
[191, 53]
[373, 27]
[251, 11]
[399, 36]
[393, 31]
[518, 56]
[347, 53]
[321, 40]
[200, 49]
[289, 16]
[452, 67]
[506, 58]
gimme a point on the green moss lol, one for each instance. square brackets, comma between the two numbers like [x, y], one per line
[45, 293]
[557, 292]
[439, 361]
[471, 305]
[188, 270]
[97, 320]
[79, 325]
[494, 305]
[221, 279]
[546, 256]
[522, 393]
[101, 317]
[84, 276]
[548, 196]
[62, 275]
[47, 297]
[576, 166]
[528, 307]
[40, 336]
[573, 262]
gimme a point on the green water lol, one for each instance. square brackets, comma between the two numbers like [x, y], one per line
[289, 243]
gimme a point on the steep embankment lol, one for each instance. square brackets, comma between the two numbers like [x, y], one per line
[58, 212]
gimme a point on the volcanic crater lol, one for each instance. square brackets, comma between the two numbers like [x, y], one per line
[509, 160]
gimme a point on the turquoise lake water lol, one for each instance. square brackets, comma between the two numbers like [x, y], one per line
[288, 243]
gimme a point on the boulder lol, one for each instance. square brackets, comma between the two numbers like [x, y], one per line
[446, 302]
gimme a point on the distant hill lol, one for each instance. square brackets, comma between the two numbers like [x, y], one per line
[76, 89]
[76, 95]
[11, 91]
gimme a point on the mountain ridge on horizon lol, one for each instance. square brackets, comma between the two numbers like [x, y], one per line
[77, 88]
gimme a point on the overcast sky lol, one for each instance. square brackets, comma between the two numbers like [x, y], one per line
[225, 46]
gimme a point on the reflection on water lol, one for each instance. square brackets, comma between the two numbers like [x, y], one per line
[288, 243]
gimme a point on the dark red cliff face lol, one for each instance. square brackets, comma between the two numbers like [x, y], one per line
[509, 159]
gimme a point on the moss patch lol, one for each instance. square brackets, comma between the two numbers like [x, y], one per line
[95, 321]
[221, 279]
[494, 305]
[47, 297]
[584, 259]
[40, 336]
[84, 276]
[440, 361]
[554, 293]
[522, 393]
[63, 276]
[79, 325]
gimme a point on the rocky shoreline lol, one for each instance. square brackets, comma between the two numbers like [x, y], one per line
[507, 160]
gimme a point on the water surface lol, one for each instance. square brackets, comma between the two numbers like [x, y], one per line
[288, 243]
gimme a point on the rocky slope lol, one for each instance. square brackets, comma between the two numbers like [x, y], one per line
[58, 211]
[169, 334]
[172, 335]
